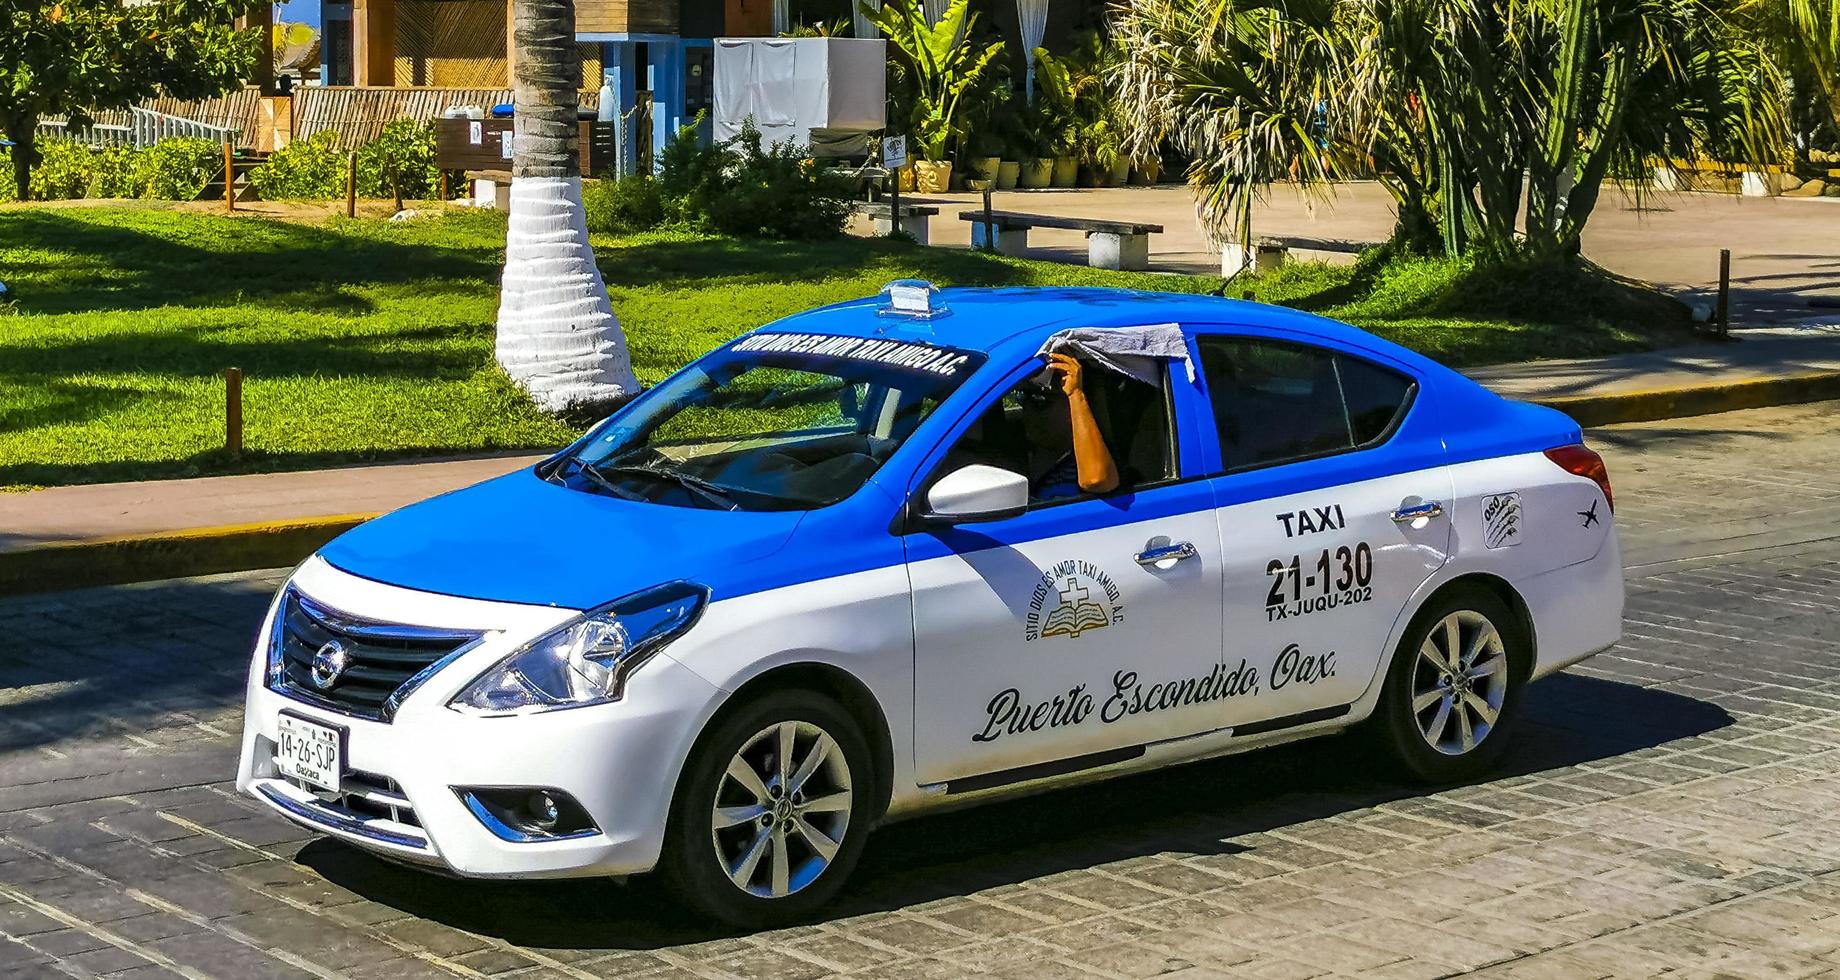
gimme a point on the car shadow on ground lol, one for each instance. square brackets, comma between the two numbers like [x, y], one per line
[1200, 808]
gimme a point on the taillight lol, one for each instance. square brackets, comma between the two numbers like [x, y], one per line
[1581, 460]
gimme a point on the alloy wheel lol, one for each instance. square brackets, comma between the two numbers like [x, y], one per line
[782, 808]
[1459, 682]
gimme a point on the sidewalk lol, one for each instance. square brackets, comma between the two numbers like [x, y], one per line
[66, 537]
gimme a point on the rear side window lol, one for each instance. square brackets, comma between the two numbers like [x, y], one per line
[1275, 402]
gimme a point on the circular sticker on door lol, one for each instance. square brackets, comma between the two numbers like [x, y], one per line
[1073, 598]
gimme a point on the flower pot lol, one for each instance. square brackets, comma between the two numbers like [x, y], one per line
[1066, 171]
[1036, 173]
[1008, 172]
[978, 185]
[907, 177]
[1120, 173]
[1146, 172]
[982, 168]
[1089, 177]
[932, 176]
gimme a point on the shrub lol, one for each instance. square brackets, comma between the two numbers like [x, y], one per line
[775, 192]
[63, 170]
[314, 168]
[309, 168]
[691, 174]
[744, 188]
[112, 172]
[399, 160]
[630, 203]
[7, 191]
[177, 168]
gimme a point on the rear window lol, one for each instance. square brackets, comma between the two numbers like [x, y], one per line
[1275, 402]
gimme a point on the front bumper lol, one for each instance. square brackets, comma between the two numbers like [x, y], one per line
[620, 761]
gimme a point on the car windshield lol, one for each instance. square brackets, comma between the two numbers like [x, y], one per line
[774, 421]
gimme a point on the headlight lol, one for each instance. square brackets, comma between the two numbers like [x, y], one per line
[587, 659]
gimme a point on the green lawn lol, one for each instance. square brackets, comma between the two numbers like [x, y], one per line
[366, 340]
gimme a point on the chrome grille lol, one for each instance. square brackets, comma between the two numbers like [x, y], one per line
[380, 657]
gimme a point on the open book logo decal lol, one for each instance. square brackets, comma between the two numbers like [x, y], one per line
[1072, 598]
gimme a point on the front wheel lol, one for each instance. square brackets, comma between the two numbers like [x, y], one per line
[1453, 692]
[771, 813]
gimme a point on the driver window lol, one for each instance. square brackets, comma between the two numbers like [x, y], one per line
[1029, 431]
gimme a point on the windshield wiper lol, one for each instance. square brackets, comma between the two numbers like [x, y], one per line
[711, 492]
[597, 478]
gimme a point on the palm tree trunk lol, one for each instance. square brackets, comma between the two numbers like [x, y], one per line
[557, 335]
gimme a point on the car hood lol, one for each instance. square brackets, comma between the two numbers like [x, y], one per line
[520, 538]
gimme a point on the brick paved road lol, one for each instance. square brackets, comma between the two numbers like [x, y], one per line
[1672, 808]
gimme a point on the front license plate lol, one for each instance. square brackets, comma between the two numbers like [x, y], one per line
[310, 752]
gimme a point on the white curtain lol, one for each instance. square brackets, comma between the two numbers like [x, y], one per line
[863, 26]
[935, 9]
[1032, 15]
[782, 17]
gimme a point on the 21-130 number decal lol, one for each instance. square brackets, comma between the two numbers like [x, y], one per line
[1337, 578]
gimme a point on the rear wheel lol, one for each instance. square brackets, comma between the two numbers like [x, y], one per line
[1453, 692]
[772, 811]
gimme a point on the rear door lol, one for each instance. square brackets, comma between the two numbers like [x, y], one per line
[1332, 499]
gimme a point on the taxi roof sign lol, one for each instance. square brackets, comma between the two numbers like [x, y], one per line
[914, 298]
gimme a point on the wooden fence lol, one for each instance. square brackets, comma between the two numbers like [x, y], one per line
[359, 113]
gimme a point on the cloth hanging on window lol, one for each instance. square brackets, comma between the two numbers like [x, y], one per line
[863, 26]
[782, 17]
[1135, 352]
[1032, 17]
[935, 10]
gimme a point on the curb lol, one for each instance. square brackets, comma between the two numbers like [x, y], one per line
[1656, 404]
[172, 554]
[278, 544]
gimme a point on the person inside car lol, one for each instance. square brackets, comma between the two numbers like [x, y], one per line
[1058, 416]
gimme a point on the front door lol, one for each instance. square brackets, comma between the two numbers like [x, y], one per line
[1071, 635]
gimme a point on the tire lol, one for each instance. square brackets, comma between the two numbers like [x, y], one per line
[1467, 743]
[706, 866]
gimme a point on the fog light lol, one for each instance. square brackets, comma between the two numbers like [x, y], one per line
[524, 814]
[543, 810]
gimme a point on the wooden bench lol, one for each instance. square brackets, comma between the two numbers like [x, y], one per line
[915, 218]
[1109, 244]
[1272, 251]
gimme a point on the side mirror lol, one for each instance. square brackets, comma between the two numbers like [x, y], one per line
[978, 493]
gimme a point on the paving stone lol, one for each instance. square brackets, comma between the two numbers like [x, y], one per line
[1672, 807]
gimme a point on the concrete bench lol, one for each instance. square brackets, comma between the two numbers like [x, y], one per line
[491, 188]
[1109, 244]
[1272, 251]
[915, 218]
[1684, 175]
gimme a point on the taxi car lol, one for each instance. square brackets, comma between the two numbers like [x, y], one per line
[815, 581]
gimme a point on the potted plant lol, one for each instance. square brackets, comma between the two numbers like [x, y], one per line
[938, 64]
[1034, 166]
[984, 161]
[1057, 123]
[1145, 172]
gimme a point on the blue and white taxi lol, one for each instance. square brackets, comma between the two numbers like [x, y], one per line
[926, 549]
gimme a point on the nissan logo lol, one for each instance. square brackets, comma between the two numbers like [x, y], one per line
[329, 663]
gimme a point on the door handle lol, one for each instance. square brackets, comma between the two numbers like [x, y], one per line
[1176, 551]
[1409, 513]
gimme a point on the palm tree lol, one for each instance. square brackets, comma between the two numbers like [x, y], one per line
[557, 335]
[1492, 122]
[1804, 36]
